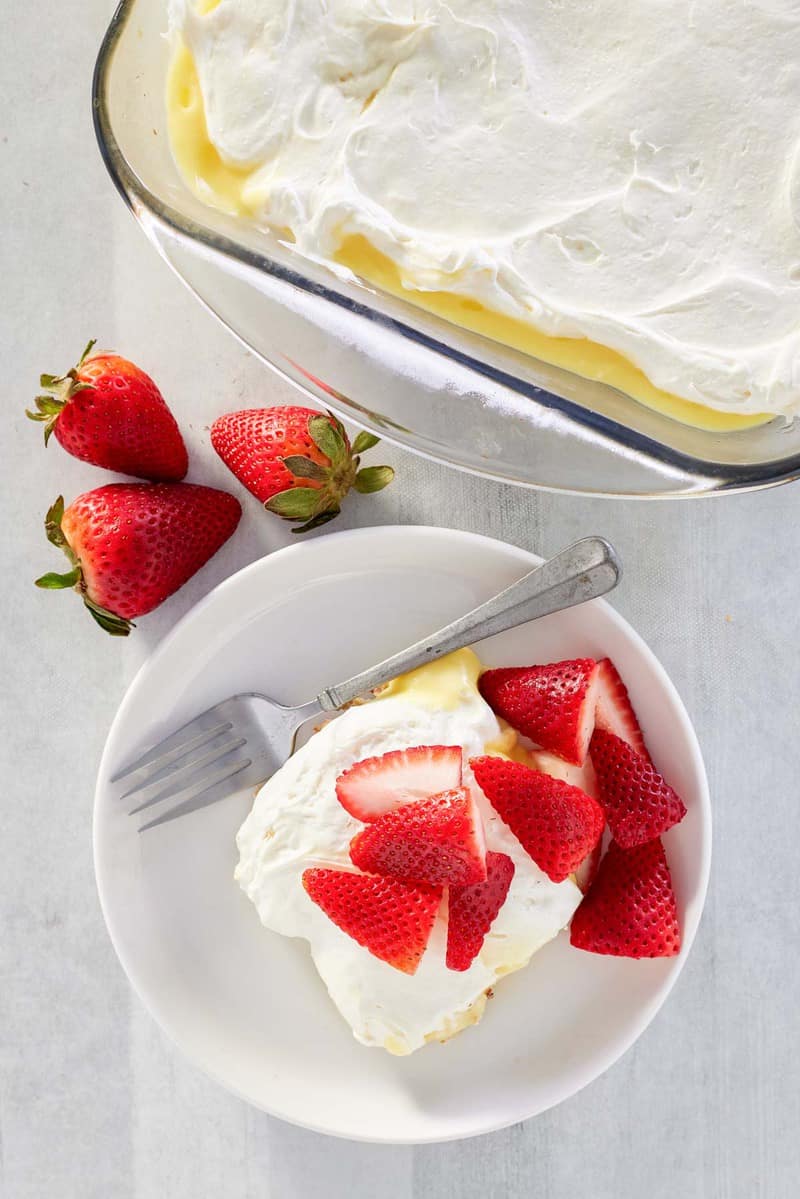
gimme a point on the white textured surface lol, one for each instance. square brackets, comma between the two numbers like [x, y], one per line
[94, 1104]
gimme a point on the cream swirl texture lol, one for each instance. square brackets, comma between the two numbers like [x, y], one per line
[626, 173]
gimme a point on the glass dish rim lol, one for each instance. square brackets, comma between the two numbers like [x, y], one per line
[721, 478]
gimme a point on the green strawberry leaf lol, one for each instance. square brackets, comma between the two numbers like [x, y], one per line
[373, 478]
[52, 524]
[337, 424]
[87, 351]
[318, 521]
[55, 582]
[117, 626]
[48, 411]
[365, 441]
[48, 406]
[296, 503]
[304, 468]
[327, 439]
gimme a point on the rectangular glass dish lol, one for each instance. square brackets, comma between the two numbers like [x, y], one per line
[384, 363]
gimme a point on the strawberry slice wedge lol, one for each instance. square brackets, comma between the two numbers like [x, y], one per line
[438, 841]
[614, 711]
[586, 873]
[393, 920]
[473, 910]
[556, 824]
[638, 803]
[377, 785]
[553, 705]
[630, 910]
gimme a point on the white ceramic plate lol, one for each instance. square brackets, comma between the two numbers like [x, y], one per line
[247, 1005]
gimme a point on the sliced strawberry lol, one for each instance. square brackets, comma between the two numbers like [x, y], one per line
[638, 803]
[472, 911]
[556, 824]
[577, 776]
[614, 712]
[587, 871]
[377, 785]
[553, 705]
[630, 910]
[393, 920]
[438, 841]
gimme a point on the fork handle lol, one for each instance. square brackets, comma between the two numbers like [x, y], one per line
[583, 571]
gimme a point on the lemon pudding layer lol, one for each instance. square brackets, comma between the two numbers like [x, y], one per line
[297, 822]
[612, 188]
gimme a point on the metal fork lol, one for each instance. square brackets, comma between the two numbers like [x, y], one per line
[244, 740]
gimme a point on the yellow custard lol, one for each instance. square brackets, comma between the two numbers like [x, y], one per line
[214, 182]
[442, 685]
[232, 190]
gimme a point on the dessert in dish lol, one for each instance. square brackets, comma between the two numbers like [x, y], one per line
[613, 192]
[423, 848]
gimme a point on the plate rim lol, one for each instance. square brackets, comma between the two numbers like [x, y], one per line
[648, 1011]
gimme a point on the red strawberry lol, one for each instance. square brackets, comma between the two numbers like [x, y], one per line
[296, 461]
[558, 825]
[377, 785]
[553, 705]
[437, 841]
[472, 911]
[109, 412]
[393, 920]
[132, 544]
[638, 803]
[614, 712]
[630, 910]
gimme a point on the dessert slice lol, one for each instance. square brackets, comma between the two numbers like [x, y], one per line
[393, 920]
[630, 910]
[438, 841]
[639, 804]
[472, 911]
[553, 705]
[556, 824]
[376, 785]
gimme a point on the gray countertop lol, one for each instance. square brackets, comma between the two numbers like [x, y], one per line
[94, 1101]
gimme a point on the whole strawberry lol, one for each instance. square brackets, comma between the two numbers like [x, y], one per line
[131, 545]
[109, 412]
[297, 462]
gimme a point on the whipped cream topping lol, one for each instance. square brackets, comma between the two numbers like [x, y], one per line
[297, 822]
[624, 173]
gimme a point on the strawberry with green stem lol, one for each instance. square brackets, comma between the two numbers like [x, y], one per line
[299, 463]
[131, 545]
[108, 412]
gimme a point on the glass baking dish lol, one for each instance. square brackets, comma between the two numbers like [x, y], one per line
[401, 372]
